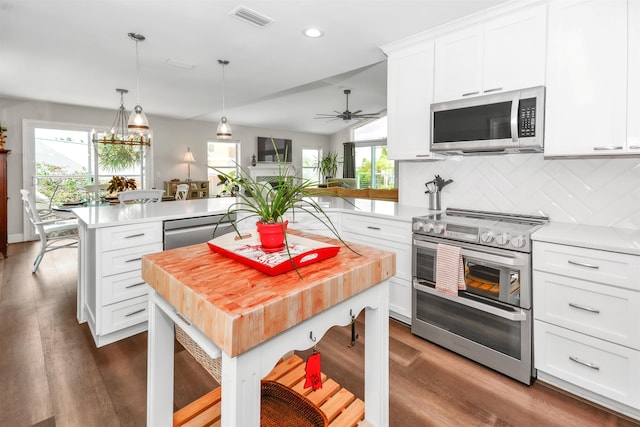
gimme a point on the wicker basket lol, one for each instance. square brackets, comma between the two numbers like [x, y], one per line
[213, 366]
[283, 407]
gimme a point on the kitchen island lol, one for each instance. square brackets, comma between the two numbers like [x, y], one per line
[251, 320]
[112, 297]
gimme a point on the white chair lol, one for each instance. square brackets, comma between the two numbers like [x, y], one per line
[54, 233]
[182, 191]
[141, 196]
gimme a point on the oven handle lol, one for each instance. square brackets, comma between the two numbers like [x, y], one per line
[519, 316]
[503, 259]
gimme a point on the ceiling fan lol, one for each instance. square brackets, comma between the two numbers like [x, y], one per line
[348, 115]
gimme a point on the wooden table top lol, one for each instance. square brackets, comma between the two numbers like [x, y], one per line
[239, 307]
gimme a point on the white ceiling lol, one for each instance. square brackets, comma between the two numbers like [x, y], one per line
[77, 52]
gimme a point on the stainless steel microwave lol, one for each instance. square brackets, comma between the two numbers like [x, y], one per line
[507, 122]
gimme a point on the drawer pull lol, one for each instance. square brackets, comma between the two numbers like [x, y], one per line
[373, 228]
[495, 89]
[135, 312]
[582, 307]
[610, 148]
[470, 93]
[136, 284]
[183, 318]
[134, 235]
[587, 364]
[134, 259]
[583, 264]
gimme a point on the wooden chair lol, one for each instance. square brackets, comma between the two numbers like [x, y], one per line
[141, 196]
[54, 233]
[182, 191]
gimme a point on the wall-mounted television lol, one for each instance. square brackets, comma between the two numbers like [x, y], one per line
[267, 152]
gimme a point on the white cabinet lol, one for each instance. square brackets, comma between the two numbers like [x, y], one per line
[409, 96]
[505, 53]
[586, 99]
[633, 99]
[115, 301]
[586, 305]
[304, 221]
[392, 235]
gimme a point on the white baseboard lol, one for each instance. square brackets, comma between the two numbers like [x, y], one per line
[15, 238]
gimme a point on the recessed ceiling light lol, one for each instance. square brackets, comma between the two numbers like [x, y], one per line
[314, 33]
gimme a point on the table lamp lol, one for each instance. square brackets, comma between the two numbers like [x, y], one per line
[188, 159]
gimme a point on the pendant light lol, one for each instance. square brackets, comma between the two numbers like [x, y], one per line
[224, 128]
[138, 123]
[118, 133]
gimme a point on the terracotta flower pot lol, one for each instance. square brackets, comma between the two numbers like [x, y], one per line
[272, 235]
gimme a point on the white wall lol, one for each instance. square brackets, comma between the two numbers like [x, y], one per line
[171, 137]
[587, 191]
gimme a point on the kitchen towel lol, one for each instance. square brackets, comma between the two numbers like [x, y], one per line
[449, 270]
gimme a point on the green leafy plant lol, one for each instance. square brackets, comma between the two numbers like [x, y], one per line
[115, 157]
[269, 201]
[228, 186]
[121, 183]
[328, 165]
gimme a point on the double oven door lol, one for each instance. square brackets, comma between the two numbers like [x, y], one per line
[489, 322]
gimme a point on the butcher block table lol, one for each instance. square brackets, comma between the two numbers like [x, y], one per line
[251, 320]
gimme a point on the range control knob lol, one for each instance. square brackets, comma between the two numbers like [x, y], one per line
[428, 227]
[518, 241]
[502, 239]
[418, 225]
[438, 228]
[487, 236]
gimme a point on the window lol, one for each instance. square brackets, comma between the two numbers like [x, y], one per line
[373, 168]
[225, 157]
[310, 159]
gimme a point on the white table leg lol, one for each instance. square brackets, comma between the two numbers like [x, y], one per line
[161, 336]
[376, 361]
[241, 391]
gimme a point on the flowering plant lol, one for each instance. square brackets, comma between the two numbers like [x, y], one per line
[2, 135]
[121, 183]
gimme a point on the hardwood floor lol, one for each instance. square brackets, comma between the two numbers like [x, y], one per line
[51, 373]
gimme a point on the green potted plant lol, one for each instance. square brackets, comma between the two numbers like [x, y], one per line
[269, 201]
[121, 183]
[328, 165]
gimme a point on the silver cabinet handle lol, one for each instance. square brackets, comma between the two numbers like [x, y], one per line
[611, 148]
[495, 89]
[583, 264]
[373, 228]
[428, 155]
[135, 312]
[582, 307]
[634, 147]
[133, 259]
[134, 235]
[470, 93]
[183, 318]
[587, 364]
[136, 284]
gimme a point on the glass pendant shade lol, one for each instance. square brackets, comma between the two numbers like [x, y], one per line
[138, 123]
[224, 129]
[119, 132]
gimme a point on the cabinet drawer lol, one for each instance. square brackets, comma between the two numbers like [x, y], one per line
[604, 368]
[589, 264]
[377, 228]
[124, 314]
[402, 251]
[602, 311]
[128, 236]
[128, 259]
[120, 287]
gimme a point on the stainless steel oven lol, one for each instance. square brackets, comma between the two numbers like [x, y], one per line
[490, 321]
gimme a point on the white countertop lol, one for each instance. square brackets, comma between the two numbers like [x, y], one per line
[108, 216]
[611, 239]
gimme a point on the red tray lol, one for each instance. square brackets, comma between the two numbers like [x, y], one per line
[248, 251]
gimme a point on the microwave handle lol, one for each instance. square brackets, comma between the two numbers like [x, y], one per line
[502, 259]
[514, 118]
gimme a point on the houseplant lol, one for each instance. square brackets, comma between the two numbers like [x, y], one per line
[269, 201]
[120, 183]
[328, 165]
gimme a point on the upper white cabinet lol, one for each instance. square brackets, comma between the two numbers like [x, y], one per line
[409, 96]
[633, 100]
[503, 54]
[586, 102]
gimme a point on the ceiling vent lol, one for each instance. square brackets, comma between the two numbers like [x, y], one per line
[251, 16]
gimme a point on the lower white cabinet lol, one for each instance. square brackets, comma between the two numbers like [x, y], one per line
[586, 305]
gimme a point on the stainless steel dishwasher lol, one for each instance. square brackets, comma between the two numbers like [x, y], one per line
[190, 231]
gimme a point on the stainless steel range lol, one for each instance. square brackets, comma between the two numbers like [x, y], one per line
[490, 321]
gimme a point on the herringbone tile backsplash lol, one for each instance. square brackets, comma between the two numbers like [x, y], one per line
[592, 191]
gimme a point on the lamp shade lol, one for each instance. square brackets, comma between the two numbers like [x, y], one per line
[138, 122]
[188, 157]
[224, 129]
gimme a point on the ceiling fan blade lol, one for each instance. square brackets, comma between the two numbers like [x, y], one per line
[356, 112]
